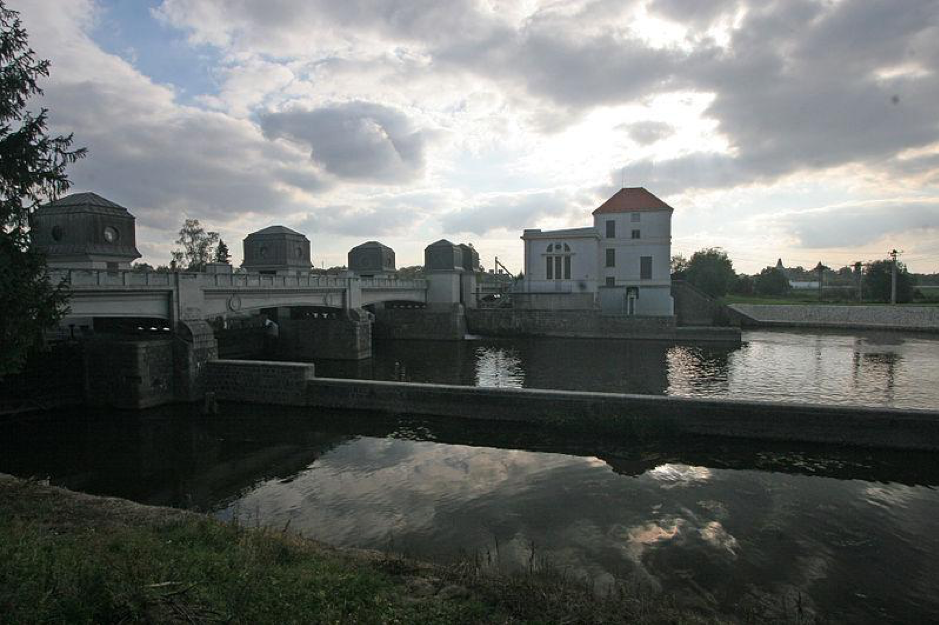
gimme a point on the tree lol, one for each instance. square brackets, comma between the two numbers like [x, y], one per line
[32, 170]
[198, 246]
[772, 282]
[679, 266]
[877, 282]
[743, 285]
[711, 271]
[221, 253]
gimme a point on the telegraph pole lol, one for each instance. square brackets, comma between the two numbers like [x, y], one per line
[860, 281]
[893, 276]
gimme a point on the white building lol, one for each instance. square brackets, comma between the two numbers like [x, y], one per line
[621, 264]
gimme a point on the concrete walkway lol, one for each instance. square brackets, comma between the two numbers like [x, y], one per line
[911, 318]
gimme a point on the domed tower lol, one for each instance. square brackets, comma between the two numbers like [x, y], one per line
[85, 231]
[277, 250]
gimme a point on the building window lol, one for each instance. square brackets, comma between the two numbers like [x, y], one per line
[645, 267]
[558, 266]
[611, 257]
[635, 234]
[635, 217]
[611, 281]
[610, 229]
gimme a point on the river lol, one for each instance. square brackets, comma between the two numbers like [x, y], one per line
[731, 527]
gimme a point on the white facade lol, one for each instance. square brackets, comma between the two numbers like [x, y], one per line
[623, 261]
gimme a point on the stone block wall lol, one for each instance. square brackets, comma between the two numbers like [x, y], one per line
[259, 381]
[129, 374]
[333, 338]
[567, 323]
[420, 323]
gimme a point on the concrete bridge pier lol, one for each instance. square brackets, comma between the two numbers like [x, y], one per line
[327, 333]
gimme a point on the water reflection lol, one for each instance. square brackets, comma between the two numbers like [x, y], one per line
[718, 522]
[824, 367]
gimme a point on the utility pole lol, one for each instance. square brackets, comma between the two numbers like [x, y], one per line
[893, 276]
[860, 281]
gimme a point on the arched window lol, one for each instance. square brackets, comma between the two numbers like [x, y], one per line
[550, 247]
[567, 248]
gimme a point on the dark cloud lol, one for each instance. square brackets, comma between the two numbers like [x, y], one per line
[355, 140]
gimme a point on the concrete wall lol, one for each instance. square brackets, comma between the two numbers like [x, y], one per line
[567, 323]
[920, 318]
[639, 415]
[440, 323]
[259, 382]
[129, 374]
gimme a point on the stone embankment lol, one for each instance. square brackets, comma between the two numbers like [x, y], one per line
[596, 413]
[910, 318]
[590, 324]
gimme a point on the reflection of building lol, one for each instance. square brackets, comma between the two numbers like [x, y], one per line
[85, 231]
[372, 260]
[277, 250]
[622, 263]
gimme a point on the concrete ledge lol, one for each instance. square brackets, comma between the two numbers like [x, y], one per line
[259, 381]
[639, 415]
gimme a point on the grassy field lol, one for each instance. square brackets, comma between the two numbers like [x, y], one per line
[71, 558]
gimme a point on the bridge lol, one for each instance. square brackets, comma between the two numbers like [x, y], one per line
[181, 296]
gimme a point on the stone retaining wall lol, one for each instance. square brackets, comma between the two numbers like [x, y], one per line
[420, 323]
[567, 323]
[639, 415]
[915, 318]
[259, 381]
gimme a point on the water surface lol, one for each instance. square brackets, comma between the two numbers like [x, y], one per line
[860, 368]
[724, 526]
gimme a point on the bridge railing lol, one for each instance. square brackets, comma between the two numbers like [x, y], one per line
[271, 281]
[388, 283]
[102, 277]
[123, 277]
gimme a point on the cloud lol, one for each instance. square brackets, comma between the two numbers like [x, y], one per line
[355, 140]
[861, 223]
[648, 132]
[512, 212]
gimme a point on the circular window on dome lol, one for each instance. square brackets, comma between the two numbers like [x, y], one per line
[110, 234]
[57, 233]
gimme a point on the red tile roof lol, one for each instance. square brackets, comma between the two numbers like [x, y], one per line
[630, 200]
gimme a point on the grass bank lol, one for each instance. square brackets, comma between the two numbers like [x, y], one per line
[68, 557]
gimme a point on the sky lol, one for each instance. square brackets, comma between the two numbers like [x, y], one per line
[796, 129]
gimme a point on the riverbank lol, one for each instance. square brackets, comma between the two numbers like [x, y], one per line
[72, 557]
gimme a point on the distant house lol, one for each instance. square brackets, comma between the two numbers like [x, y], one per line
[621, 263]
